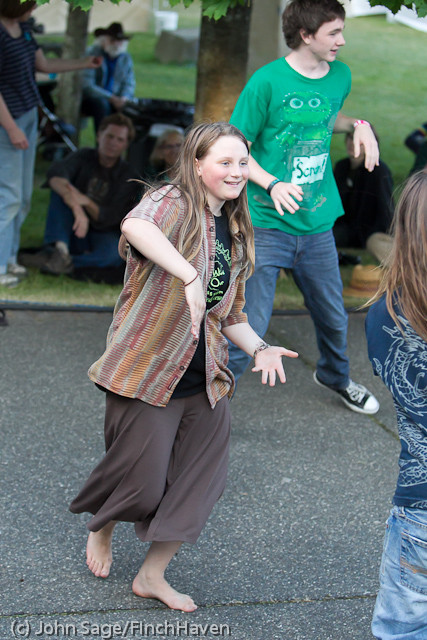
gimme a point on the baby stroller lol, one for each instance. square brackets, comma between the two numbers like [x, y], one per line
[54, 135]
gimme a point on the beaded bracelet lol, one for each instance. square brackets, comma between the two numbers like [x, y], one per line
[271, 185]
[261, 347]
[195, 278]
[356, 124]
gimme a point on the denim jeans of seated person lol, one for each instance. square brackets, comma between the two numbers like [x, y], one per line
[96, 249]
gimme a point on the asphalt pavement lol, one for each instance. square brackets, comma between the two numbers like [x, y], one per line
[290, 552]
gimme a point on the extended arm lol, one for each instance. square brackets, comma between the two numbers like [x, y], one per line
[58, 65]
[268, 360]
[151, 242]
[362, 136]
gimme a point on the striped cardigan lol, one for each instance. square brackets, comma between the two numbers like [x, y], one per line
[149, 343]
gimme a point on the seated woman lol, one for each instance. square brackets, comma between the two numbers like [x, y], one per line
[164, 155]
[368, 204]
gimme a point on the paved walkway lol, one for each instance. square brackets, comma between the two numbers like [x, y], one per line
[291, 552]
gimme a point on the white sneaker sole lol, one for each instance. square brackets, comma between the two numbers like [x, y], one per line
[352, 407]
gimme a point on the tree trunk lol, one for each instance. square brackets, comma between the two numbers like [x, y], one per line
[222, 63]
[69, 95]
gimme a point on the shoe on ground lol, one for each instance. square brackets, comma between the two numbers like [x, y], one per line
[355, 396]
[16, 269]
[8, 280]
[59, 263]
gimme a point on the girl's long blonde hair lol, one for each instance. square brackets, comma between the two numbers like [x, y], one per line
[405, 275]
[197, 143]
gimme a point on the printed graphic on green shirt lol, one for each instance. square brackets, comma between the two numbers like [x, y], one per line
[306, 116]
[307, 124]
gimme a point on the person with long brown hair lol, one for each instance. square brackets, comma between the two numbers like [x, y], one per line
[396, 329]
[165, 372]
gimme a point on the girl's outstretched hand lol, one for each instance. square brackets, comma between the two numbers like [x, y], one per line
[196, 300]
[269, 362]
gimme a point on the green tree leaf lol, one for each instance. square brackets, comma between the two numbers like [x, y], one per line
[186, 3]
[85, 5]
[394, 5]
[215, 9]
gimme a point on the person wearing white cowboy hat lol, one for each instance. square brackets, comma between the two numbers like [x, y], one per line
[109, 87]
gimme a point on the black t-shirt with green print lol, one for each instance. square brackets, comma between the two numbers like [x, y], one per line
[194, 379]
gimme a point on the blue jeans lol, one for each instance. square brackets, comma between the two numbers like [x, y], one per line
[314, 261]
[97, 249]
[16, 186]
[401, 607]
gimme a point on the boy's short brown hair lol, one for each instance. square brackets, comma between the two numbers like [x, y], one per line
[308, 16]
[15, 9]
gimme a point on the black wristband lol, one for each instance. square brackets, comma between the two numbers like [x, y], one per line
[271, 185]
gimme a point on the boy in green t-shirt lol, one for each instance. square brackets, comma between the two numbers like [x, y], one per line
[288, 112]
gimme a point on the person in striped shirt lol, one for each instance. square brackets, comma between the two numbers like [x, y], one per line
[20, 57]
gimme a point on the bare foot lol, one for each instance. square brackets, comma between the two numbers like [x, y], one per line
[161, 590]
[98, 551]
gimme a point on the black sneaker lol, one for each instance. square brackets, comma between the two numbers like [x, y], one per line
[356, 397]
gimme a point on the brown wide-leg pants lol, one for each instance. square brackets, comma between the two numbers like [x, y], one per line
[164, 467]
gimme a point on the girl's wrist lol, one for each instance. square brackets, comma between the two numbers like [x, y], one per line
[261, 346]
[191, 280]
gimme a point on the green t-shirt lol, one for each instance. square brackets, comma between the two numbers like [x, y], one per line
[289, 120]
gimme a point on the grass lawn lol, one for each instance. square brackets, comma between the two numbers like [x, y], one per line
[387, 66]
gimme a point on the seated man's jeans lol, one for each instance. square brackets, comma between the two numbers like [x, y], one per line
[314, 262]
[97, 249]
[401, 608]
